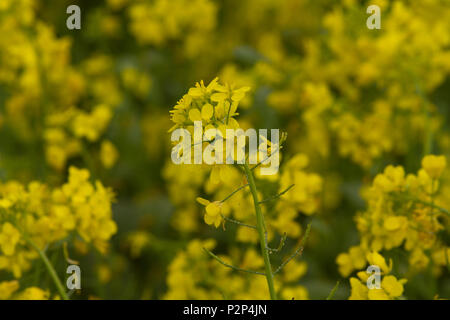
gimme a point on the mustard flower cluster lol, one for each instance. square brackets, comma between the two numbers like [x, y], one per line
[390, 287]
[39, 216]
[46, 89]
[9, 290]
[325, 88]
[162, 21]
[353, 99]
[217, 106]
[406, 212]
[66, 130]
[304, 197]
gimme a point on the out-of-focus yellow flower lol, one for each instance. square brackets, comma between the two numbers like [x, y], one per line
[354, 259]
[33, 293]
[9, 237]
[137, 82]
[401, 213]
[50, 215]
[434, 165]
[137, 241]
[104, 273]
[108, 154]
[90, 126]
[186, 21]
[193, 275]
[7, 288]
[390, 286]
[295, 293]
[374, 258]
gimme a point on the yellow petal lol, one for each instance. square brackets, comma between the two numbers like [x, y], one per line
[377, 294]
[207, 111]
[217, 97]
[359, 290]
[392, 223]
[392, 286]
[213, 209]
[195, 115]
[195, 92]
[208, 219]
[202, 201]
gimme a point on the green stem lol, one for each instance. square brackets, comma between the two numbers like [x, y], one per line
[234, 192]
[260, 226]
[297, 252]
[230, 266]
[237, 222]
[333, 291]
[50, 269]
[278, 195]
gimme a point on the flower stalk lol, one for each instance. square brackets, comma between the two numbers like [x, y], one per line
[50, 269]
[260, 227]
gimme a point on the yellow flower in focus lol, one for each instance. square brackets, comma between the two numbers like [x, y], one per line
[213, 213]
[214, 104]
